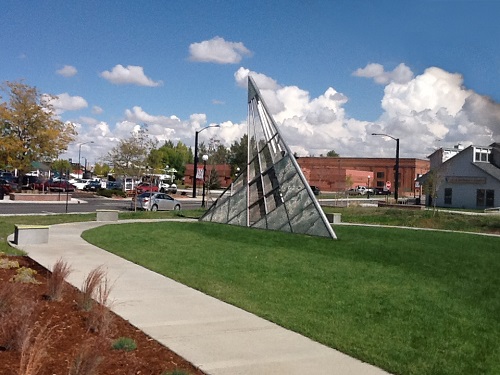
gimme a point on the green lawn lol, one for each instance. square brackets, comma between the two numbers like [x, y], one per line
[411, 302]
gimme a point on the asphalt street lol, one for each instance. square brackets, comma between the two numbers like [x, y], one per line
[76, 205]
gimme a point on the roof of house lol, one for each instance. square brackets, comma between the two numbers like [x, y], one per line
[490, 169]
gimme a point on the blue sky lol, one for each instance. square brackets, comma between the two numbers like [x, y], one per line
[332, 72]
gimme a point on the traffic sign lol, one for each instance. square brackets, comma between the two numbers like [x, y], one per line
[388, 184]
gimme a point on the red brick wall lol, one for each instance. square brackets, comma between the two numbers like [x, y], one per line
[330, 174]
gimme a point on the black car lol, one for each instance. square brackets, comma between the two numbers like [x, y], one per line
[92, 186]
[315, 190]
[381, 191]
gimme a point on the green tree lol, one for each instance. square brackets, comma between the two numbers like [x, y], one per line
[29, 127]
[174, 155]
[238, 154]
[61, 167]
[332, 154]
[101, 169]
[130, 156]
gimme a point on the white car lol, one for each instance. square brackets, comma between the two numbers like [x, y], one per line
[155, 202]
[80, 183]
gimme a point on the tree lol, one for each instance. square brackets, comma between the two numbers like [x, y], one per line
[332, 154]
[129, 157]
[61, 167]
[175, 156]
[238, 154]
[29, 127]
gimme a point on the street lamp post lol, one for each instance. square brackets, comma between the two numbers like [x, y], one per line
[396, 167]
[196, 154]
[79, 157]
[368, 186]
[205, 158]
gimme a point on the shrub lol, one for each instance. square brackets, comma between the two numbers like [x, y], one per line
[100, 318]
[55, 284]
[34, 350]
[176, 372]
[124, 343]
[25, 275]
[89, 288]
[110, 193]
[87, 360]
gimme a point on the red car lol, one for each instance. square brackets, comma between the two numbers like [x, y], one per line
[59, 185]
[146, 187]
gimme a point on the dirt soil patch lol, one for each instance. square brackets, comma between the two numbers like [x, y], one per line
[66, 342]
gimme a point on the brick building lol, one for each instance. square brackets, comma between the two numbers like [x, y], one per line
[339, 174]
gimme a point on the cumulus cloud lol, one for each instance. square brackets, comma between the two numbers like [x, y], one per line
[400, 74]
[219, 51]
[418, 110]
[131, 74]
[429, 106]
[65, 102]
[67, 71]
[96, 110]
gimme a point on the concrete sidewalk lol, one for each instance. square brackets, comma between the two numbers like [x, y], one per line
[217, 337]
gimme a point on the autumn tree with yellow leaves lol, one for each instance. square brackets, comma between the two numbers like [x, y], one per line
[29, 127]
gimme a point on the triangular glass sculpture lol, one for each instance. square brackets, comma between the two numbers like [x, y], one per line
[272, 193]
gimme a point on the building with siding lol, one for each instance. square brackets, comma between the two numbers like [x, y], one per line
[468, 179]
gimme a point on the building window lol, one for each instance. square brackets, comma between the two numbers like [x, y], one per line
[485, 198]
[380, 175]
[481, 154]
[447, 195]
[380, 184]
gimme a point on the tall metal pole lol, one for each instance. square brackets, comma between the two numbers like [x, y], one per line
[204, 180]
[396, 170]
[396, 167]
[195, 167]
[79, 158]
[195, 161]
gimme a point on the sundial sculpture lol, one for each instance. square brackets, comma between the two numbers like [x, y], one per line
[272, 193]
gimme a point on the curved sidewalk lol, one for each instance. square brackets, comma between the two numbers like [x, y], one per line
[217, 337]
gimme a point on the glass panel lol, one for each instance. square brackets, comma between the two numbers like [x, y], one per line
[480, 198]
[490, 198]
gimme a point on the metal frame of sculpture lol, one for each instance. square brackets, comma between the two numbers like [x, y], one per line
[272, 193]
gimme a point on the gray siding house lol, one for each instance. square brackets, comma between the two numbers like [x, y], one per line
[468, 179]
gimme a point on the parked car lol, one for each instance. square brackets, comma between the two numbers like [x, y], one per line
[93, 186]
[114, 185]
[315, 190]
[80, 183]
[59, 185]
[9, 184]
[6, 187]
[360, 190]
[155, 202]
[381, 191]
[146, 187]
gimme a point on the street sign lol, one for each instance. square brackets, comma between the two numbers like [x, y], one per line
[388, 184]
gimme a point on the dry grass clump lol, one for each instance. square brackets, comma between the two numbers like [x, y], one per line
[88, 359]
[16, 315]
[56, 281]
[34, 349]
[95, 299]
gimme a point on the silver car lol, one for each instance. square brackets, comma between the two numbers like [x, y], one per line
[155, 202]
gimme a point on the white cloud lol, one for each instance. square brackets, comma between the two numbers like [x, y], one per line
[131, 74]
[432, 105]
[400, 74]
[218, 50]
[96, 110]
[67, 71]
[65, 102]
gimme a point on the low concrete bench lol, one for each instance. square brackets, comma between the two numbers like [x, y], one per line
[107, 215]
[334, 218]
[31, 234]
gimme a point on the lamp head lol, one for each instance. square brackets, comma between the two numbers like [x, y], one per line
[205, 157]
